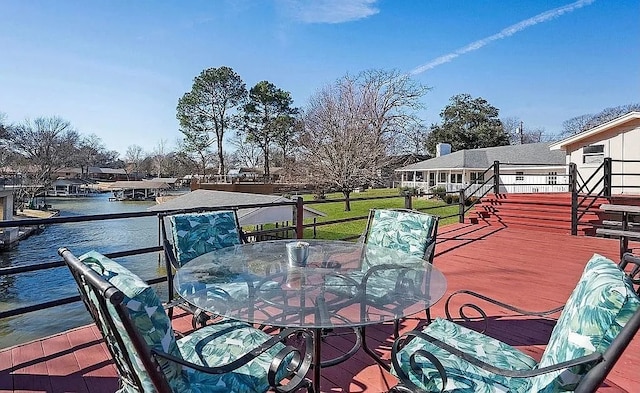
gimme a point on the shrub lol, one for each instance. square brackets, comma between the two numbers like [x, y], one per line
[319, 194]
[404, 191]
[440, 192]
[472, 200]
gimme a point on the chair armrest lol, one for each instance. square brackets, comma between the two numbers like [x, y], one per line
[483, 314]
[297, 366]
[399, 343]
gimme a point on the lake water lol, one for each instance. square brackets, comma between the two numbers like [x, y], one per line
[102, 236]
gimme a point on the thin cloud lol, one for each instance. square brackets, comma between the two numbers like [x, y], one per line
[504, 33]
[330, 11]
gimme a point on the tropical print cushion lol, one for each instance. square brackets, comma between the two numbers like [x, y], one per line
[599, 307]
[401, 230]
[146, 312]
[195, 234]
[219, 344]
[464, 377]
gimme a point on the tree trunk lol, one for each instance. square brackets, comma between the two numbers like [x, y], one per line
[220, 156]
[347, 202]
[266, 165]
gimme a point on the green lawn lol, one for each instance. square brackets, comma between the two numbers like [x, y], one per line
[360, 208]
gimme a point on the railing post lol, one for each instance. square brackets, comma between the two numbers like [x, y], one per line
[299, 217]
[407, 201]
[461, 206]
[607, 177]
[573, 188]
[496, 177]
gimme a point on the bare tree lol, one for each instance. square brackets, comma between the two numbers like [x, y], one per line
[133, 158]
[520, 134]
[160, 158]
[247, 153]
[350, 124]
[584, 122]
[42, 146]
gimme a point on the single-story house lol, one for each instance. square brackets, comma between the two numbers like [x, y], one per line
[618, 139]
[524, 168]
[246, 217]
[92, 172]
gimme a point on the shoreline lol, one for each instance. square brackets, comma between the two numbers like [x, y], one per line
[11, 236]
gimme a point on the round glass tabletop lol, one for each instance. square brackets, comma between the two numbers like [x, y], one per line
[310, 283]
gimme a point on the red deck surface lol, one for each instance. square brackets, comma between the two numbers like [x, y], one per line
[534, 270]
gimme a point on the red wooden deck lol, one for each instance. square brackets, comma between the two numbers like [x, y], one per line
[535, 270]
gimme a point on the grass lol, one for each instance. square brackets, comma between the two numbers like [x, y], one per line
[360, 208]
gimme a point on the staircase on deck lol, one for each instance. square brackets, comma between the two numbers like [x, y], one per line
[550, 211]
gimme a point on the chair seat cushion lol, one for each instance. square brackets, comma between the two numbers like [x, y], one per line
[195, 234]
[599, 307]
[219, 344]
[464, 377]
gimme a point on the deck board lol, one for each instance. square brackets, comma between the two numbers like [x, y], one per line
[535, 270]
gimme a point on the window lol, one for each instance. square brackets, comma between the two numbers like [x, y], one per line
[442, 177]
[552, 178]
[477, 177]
[432, 179]
[456, 178]
[593, 154]
[519, 176]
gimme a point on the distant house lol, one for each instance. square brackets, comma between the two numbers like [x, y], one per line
[92, 172]
[618, 139]
[523, 168]
[68, 188]
[171, 181]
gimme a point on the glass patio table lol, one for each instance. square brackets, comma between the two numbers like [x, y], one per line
[340, 284]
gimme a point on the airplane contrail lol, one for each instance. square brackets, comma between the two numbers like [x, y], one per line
[504, 33]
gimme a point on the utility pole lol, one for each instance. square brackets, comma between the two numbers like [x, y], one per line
[521, 133]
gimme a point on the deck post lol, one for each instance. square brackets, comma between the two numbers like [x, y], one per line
[461, 201]
[299, 216]
[573, 188]
[496, 177]
[407, 200]
[607, 177]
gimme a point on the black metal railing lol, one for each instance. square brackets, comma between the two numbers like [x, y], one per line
[296, 229]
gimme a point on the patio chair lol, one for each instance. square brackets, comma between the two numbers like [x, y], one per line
[194, 234]
[225, 356]
[598, 321]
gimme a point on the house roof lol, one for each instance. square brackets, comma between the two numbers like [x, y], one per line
[595, 130]
[531, 153]
[168, 180]
[249, 216]
[146, 184]
[67, 182]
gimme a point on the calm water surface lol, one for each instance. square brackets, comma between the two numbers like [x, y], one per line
[102, 236]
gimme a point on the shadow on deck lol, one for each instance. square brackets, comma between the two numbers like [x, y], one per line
[534, 270]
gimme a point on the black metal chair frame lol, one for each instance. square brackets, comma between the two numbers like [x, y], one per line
[600, 363]
[200, 317]
[105, 292]
[428, 255]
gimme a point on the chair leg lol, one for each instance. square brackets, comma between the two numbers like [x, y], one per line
[428, 313]
[396, 328]
[199, 318]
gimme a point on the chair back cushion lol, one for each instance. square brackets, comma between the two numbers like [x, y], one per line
[601, 304]
[195, 234]
[410, 232]
[146, 314]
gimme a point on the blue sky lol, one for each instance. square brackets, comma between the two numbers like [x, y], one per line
[116, 68]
